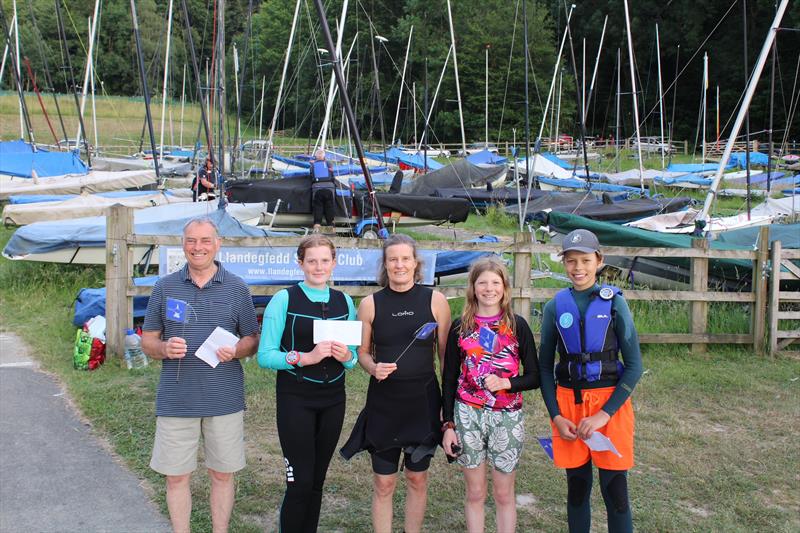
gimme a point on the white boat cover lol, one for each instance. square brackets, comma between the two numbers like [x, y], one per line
[94, 181]
[683, 222]
[778, 207]
[541, 166]
[86, 205]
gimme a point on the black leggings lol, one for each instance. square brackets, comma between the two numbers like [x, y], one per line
[322, 201]
[614, 487]
[309, 425]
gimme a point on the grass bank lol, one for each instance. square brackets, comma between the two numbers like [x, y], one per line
[715, 435]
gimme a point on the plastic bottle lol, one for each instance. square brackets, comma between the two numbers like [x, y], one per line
[134, 357]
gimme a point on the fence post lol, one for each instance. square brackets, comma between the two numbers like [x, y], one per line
[699, 310]
[759, 317]
[119, 270]
[774, 296]
[522, 275]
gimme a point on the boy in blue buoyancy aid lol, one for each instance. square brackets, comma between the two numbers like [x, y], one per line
[589, 389]
[323, 190]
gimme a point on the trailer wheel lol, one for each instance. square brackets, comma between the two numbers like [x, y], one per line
[370, 232]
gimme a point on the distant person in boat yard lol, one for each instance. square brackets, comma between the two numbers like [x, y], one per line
[323, 190]
[204, 182]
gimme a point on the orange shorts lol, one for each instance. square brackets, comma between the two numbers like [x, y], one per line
[572, 454]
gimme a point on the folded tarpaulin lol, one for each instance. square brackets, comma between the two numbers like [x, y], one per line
[557, 160]
[739, 159]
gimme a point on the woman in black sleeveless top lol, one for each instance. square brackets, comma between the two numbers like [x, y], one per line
[402, 413]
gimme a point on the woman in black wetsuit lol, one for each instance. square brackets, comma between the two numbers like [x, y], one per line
[309, 387]
[402, 413]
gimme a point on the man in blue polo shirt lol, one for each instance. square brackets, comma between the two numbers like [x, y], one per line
[193, 397]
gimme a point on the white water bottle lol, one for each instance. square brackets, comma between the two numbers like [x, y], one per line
[134, 357]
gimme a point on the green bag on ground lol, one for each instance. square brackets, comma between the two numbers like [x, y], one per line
[82, 351]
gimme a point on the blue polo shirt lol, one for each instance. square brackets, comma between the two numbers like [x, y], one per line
[189, 387]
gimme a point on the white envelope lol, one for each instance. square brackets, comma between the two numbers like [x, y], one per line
[345, 331]
[208, 350]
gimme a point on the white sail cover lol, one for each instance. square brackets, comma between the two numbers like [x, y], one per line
[94, 181]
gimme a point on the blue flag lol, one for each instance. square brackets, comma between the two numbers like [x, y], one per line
[176, 310]
[547, 445]
[487, 338]
[425, 330]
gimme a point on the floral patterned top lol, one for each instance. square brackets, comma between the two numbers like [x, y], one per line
[468, 362]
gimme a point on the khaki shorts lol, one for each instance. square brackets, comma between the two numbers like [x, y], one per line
[177, 440]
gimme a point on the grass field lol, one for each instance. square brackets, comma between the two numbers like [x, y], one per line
[715, 435]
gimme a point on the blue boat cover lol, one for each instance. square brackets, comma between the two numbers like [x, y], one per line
[49, 236]
[557, 160]
[397, 156]
[378, 179]
[739, 159]
[485, 157]
[573, 183]
[19, 159]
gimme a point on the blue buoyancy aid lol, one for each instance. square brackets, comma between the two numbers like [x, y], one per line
[320, 171]
[587, 345]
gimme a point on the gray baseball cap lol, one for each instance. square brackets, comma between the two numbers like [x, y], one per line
[580, 240]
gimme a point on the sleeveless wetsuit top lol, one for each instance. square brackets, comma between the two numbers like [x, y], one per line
[299, 333]
[398, 316]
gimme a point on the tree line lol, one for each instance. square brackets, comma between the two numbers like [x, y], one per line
[687, 29]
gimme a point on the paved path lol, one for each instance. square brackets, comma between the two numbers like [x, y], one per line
[54, 474]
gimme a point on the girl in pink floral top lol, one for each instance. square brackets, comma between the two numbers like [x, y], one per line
[482, 386]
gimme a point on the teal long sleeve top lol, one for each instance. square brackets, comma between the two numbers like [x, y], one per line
[270, 354]
[627, 338]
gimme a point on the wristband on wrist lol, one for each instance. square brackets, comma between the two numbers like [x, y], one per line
[448, 425]
[293, 357]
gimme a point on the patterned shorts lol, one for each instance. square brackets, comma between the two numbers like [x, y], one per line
[496, 435]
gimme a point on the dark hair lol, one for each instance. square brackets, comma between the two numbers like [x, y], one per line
[394, 240]
[313, 241]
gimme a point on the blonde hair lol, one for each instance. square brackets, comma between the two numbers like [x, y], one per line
[394, 240]
[495, 266]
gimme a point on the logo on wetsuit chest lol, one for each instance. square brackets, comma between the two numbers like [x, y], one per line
[403, 313]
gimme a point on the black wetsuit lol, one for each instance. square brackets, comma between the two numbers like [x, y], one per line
[402, 411]
[310, 404]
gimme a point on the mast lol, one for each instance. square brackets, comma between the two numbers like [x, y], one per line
[145, 90]
[661, 98]
[747, 112]
[619, 90]
[5, 50]
[458, 87]
[351, 119]
[547, 104]
[429, 110]
[18, 83]
[580, 101]
[164, 85]
[633, 92]
[705, 103]
[92, 33]
[221, 96]
[280, 88]
[674, 99]
[748, 97]
[261, 106]
[771, 116]
[377, 87]
[236, 148]
[71, 79]
[486, 97]
[16, 67]
[596, 64]
[402, 86]
[94, 106]
[323, 134]
[183, 102]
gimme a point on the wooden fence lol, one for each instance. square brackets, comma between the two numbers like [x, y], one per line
[762, 300]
